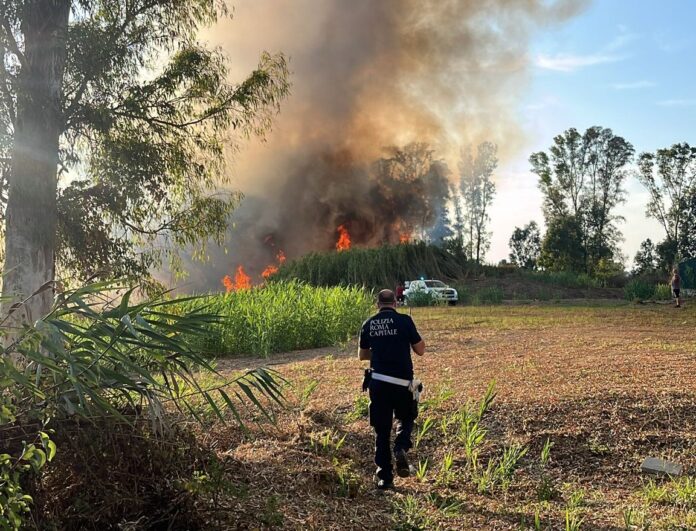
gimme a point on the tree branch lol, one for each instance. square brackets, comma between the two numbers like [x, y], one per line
[12, 42]
[5, 77]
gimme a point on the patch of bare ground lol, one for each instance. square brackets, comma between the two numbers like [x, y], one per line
[607, 384]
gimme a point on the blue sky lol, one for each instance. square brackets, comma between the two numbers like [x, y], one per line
[626, 65]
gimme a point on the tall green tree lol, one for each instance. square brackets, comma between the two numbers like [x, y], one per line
[562, 245]
[646, 259]
[115, 122]
[581, 177]
[525, 246]
[478, 190]
[669, 175]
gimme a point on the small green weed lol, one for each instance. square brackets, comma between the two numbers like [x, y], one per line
[328, 442]
[422, 470]
[449, 506]
[445, 422]
[307, 392]
[546, 453]
[442, 396]
[423, 430]
[684, 492]
[678, 492]
[499, 471]
[361, 408]
[576, 499]
[408, 515]
[348, 481]
[634, 519]
[509, 462]
[597, 447]
[573, 520]
[487, 400]
[446, 475]
[471, 434]
[545, 490]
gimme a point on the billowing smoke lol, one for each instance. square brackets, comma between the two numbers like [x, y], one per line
[369, 74]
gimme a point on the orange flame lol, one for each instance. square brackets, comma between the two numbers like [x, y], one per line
[241, 281]
[404, 238]
[270, 270]
[343, 242]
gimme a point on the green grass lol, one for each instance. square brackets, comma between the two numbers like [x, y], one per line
[490, 295]
[281, 317]
[565, 279]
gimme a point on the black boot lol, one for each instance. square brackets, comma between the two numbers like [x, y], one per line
[403, 469]
[383, 484]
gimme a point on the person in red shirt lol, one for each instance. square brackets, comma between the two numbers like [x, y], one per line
[400, 292]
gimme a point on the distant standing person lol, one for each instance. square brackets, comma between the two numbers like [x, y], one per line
[400, 292]
[676, 285]
[386, 340]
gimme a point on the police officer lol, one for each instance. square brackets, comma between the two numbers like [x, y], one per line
[386, 339]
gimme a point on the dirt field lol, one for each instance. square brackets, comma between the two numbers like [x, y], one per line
[606, 383]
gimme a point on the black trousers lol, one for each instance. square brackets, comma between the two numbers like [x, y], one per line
[389, 401]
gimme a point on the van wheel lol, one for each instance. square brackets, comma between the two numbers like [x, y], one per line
[452, 303]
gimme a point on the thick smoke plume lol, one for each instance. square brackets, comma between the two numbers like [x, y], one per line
[369, 74]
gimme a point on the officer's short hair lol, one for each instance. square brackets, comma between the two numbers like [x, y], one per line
[386, 296]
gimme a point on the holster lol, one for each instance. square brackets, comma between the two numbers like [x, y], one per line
[366, 379]
[416, 389]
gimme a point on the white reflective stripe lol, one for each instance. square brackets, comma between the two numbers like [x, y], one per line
[391, 379]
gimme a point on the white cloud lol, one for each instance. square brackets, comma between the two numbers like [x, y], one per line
[633, 85]
[670, 44]
[621, 40]
[570, 63]
[677, 103]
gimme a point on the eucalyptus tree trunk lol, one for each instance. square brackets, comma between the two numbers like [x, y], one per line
[30, 232]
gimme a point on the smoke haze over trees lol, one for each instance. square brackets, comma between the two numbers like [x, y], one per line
[391, 73]
[477, 189]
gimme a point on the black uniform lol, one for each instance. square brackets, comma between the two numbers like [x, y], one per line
[389, 335]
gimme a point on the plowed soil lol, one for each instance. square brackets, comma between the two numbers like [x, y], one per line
[607, 383]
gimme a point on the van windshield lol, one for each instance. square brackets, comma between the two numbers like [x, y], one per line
[435, 284]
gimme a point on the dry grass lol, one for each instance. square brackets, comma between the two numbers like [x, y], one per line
[608, 384]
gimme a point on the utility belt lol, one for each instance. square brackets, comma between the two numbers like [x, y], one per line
[415, 385]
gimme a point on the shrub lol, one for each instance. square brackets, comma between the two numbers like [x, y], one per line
[662, 292]
[490, 295]
[422, 298]
[638, 289]
[280, 317]
[99, 356]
